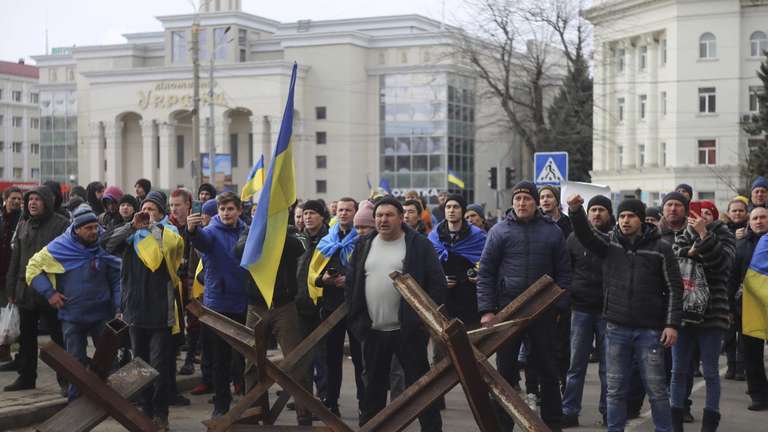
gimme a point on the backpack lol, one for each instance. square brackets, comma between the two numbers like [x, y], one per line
[695, 290]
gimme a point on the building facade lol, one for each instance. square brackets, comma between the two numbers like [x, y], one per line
[674, 80]
[19, 123]
[376, 99]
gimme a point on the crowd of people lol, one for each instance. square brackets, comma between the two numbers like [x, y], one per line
[632, 278]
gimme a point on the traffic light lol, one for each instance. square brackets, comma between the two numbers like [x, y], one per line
[509, 177]
[492, 178]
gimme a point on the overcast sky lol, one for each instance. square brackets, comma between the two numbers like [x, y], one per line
[98, 22]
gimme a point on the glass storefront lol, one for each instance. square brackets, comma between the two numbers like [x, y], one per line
[58, 136]
[427, 129]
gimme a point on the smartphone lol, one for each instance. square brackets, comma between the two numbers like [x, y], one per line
[695, 207]
[197, 207]
[144, 217]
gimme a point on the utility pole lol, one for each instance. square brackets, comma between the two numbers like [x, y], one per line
[197, 160]
[211, 122]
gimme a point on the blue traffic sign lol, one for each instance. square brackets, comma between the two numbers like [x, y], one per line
[550, 168]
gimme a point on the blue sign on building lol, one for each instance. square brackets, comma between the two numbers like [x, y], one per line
[550, 168]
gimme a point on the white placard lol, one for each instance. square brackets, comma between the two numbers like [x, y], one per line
[586, 190]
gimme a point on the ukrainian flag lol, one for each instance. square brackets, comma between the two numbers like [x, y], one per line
[453, 178]
[754, 319]
[266, 238]
[255, 180]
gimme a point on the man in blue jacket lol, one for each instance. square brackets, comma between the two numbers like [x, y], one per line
[519, 250]
[225, 283]
[81, 280]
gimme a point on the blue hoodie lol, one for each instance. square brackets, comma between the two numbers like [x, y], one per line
[225, 280]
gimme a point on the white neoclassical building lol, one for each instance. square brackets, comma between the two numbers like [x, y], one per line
[673, 81]
[376, 98]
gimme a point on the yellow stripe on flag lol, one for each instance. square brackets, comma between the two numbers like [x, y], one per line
[316, 266]
[754, 315]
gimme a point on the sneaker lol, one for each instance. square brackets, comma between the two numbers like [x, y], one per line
[218, 413]
[20, 384]
[178, 400]
[201, 388]
[569, 421]
[187, 369]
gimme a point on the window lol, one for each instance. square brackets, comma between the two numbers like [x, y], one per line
[34, 98]
[234, 149]
[620, 59]
[707, 100]
[321, 138]
[250, 149]
[403, 57]
[321, 186]
[34, 148]
[220, 43]
[2, 171]
[179, 151]
[663, 103]
[18, 172]
[242, 37]
[34, 123]
[663, 154]
[178, 47]
[34, 173]
[620, 109]
[16, 147]
[16, 122]
[758, 44]
[16, 95]
[157, 152]
[707, 46]
[707, 152]
[706, 195]
[663, 52]
[641, 155]
[643, 104]
[52, 75]
[754, 100]
[2, 146]
[620, 156]
[1, 94]
[320, 113]
[70, 74]
[243, 57]
[1, 120]
[643, 57]
[321, 162]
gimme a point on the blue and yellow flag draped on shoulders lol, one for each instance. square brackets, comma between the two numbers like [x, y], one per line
[151, 252]
[324, 251]
[255, 180]
[266, 238]
[755, 299]
[470, 247]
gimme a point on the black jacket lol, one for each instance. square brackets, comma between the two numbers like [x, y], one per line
[8, 222]
[587, 277]
[716, 254]
[565, 225]
[421, 263]
[333, 296]
[460, 301]
[745, 248]
[32, 234]
[641, 280]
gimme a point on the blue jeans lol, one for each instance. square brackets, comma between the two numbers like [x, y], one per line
[623, 345]
[584, 326]
[710, 341]
[76, 340]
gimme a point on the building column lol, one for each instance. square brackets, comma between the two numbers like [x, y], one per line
[654, 111]
[222, 136]
[265, 139]
[167, 134]
[149, 152]
[114, 152]
[629, 154]
[96, 149]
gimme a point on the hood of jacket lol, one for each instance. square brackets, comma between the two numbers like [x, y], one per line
[48, 200]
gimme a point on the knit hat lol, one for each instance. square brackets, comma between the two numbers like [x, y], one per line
[633, 205]
[528, 188]
[316, 206]
[364, 215]
[144, 184]
[760, 181]
[741, 198]
[157, 198]
[555, 191]
[653, 212]
[113, 193]
[686, 187]
[129, 199]
[83, 215]
[676, 196]
[602, 201]
[459, 199]
[210, 208]
[709, 205]
[207, 187]
[477, 208]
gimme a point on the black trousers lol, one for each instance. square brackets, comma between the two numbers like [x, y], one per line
[334, 358]
[151, 345]
[411, 350]
[221, 365]
[754, 366]
[29, 326]
[542, 335]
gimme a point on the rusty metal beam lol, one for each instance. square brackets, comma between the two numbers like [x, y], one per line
[95, 389]
[106, 347]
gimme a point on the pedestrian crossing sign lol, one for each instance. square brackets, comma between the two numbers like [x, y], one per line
[550, 168]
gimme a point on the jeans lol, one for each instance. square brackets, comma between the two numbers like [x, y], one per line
[622, 346]
[76, 340]
[710, 341]
[151, 345]
[584, 326]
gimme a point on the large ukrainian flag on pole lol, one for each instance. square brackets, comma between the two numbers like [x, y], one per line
[266, 237]
[754, 319]
[255, 180]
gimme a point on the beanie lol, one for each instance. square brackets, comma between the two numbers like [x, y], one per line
[112, 193]
[83, 215]
[459, 199]
[741, 198]
[477, 208]
[633, 205]
[210, 208]
[709, 205]
[316, 206]
[653, 212]
[686, 187]
[130, 199]
[555, 191]
[528, 188]
[676, 196]
[157, 198]
[364, 215]
[760, 181]
[207, 187]
[602, 201]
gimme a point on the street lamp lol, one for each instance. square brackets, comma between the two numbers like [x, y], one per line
[211, 123]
